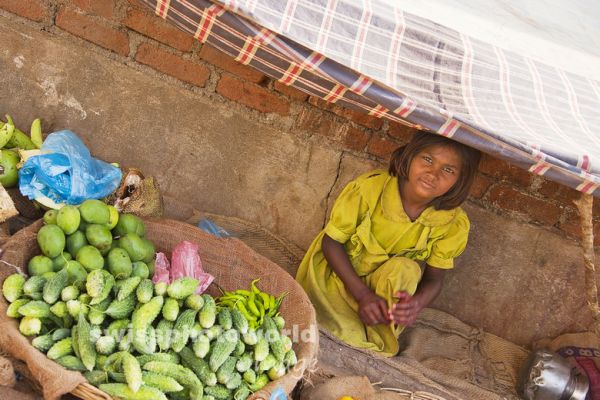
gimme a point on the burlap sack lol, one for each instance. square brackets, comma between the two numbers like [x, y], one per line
[24, 381]
[137, 195]
[441, 342]
[440, 355]
[233, 264]
[54, 379]
[7, 372]
[360, 388]
[25, 206]
[7, 393]
[275, 248]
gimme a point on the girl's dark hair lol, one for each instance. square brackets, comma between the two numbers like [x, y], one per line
[403, 156]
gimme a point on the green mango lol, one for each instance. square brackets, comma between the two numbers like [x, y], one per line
[94, 212]
[99, 236]
[129, 223]
[59, 262]
[76, 241]
[9, 175]
[90, 257]
[39, 265]
[119, 263]
[50, 217]
[51, 240]
[68, 219]
[76, 272]
[134, 245]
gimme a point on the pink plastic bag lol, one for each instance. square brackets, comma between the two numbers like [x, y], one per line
[185, 261]
[161, 269]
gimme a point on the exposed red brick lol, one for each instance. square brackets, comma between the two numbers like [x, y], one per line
[290, 91]
[572, 227]
[505, 171]
[356, 139]
[104, 8]
[34, 10]
[228, 63]
[320, 103]
[480, 186]
[138, 3]
[561, 193]
[508, 198]
[172, 64]
[381, 147]
[324, 124]
[361, 118]
[151, 26]
[89, 29]
[252, 95]
[549, 188]
[401, 132]
[315, 121]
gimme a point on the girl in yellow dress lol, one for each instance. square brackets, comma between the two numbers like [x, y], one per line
[362, 272]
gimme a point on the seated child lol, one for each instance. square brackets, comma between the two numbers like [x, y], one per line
[362, 272]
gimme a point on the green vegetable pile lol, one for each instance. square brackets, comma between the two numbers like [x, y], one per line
[254, 304]
[12, 139]
[90, 304]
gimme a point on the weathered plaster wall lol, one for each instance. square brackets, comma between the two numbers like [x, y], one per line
[225, 139]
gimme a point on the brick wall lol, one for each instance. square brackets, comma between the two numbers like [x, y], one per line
[128, 32]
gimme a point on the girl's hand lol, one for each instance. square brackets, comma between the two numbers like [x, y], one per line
[405, 311]
[372, 309]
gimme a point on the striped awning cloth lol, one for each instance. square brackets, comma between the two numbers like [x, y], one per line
[372, 56]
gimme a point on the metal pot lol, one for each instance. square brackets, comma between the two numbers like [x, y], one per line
[548, 376]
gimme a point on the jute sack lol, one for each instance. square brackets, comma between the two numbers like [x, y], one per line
[276, 248]
[7, 393]
[360, 388]
[440, 355]
[233, 264]
[52, 378]
[137, 195]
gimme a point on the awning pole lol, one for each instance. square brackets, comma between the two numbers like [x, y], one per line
[584, 205]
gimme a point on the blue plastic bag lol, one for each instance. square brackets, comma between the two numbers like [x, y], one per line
[209, 226]
[68, 174]
[278, 394]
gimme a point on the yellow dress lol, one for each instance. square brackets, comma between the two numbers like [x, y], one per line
[383, 245]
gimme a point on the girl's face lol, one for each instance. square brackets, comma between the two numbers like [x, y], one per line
[432, 172]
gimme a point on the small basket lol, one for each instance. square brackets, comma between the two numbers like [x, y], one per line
[234, 265]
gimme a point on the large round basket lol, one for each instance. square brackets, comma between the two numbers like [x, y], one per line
[233, 264]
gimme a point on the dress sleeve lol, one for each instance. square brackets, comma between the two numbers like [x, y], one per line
[452, 244]
[346, 213]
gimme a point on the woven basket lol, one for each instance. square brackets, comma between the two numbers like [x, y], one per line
[234, 265]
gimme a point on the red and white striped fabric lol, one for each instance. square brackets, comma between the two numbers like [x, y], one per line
[372, 56]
